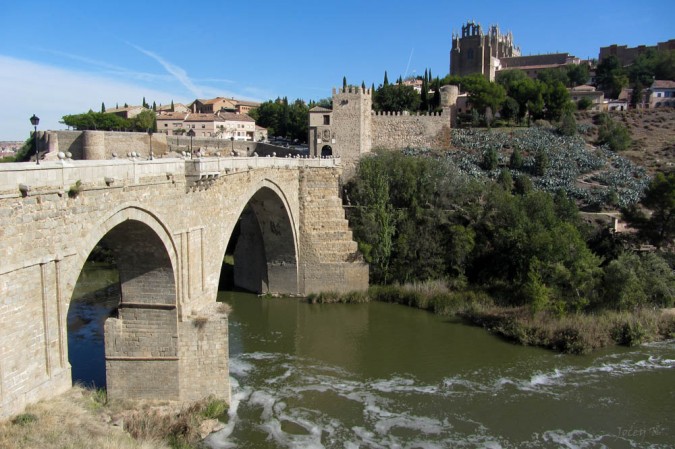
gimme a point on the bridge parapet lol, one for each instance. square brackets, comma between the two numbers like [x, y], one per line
[20, 178]
[59, 176]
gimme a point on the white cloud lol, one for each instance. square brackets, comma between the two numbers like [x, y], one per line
[28, 88]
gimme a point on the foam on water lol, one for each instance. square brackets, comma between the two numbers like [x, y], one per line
[386, 420]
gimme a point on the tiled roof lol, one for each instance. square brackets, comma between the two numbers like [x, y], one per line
[172, 116]
[319, 109]
[663, 84]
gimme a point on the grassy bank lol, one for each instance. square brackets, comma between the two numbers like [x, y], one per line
[574, 333]
[84, 418]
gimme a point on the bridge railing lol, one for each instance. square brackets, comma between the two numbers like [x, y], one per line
[24, 177]
[228, 164]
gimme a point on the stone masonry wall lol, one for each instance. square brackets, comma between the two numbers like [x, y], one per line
[123, 143]
[397, 131]
[329, 256]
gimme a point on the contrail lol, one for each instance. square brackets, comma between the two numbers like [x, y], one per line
[179, 73]
[408, 66]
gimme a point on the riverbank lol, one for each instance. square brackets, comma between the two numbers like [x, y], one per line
[578, 333]
[85, 418]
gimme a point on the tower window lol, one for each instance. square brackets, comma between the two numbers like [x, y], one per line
[326, 119]
[469, 54]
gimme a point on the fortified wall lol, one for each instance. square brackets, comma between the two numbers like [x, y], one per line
[96, 145]
[398, 130]
[351, 129]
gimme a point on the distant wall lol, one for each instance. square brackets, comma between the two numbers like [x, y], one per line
[123, 143]
[394, 130]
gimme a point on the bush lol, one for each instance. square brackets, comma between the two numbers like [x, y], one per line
[613, 134]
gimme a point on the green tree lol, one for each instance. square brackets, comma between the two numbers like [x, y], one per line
[659, 197]
[516, 159]
[490, 159]
[102, 107]
[510, 109]
[568, 124]
[505, 180]
[541, 163]
[482, 93]
[396, 98]
[557, 100]
[611, 77]
[638, 281]
[612, 134]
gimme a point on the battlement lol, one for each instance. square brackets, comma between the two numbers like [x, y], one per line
[405, 114]
[352, 90]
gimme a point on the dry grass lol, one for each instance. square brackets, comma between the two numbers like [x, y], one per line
[72, 420]
[653, 136]
[84, 419]
[575, 334]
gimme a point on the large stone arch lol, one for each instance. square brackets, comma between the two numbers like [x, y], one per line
[143, 339]
[266, 255]
[114, 217]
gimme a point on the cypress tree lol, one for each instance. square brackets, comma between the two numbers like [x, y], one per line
[386, 80]
[126, 105]
[102, 107]
[363, 86]
[154, 106]
[172, 109]
[344, 82]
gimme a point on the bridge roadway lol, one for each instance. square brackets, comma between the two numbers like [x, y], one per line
[168, 222]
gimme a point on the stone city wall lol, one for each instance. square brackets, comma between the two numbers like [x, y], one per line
[102, 144]
[393, 130]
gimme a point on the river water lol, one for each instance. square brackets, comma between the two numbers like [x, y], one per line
[388, 376]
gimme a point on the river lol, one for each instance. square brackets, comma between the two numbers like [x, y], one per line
[388, 376]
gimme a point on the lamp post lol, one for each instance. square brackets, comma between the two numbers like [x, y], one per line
[191, 133]
[150, 134]
[35, 120]
[232, 140]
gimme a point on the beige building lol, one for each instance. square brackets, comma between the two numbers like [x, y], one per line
[662, 94]
[126, 112]
[222, 104]
[171, 123]
[589, 92]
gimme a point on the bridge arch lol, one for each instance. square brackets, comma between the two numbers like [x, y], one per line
[266, 251]
[141, 335]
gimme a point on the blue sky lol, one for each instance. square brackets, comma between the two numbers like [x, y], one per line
[63, 57]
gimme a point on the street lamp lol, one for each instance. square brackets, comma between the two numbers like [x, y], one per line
[191, 133]
[34, 120]
[150, 134]
[232, 140]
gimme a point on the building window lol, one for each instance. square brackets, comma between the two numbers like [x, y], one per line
[203, 126]
[326, 119]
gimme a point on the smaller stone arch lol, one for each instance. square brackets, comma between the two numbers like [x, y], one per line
[326, 150]
[266, 253]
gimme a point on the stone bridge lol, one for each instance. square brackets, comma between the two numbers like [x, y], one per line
[168, 222]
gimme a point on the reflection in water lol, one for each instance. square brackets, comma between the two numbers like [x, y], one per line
[95, 298]
[386, 376]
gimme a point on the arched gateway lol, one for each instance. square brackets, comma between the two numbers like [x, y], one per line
[168, 222]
